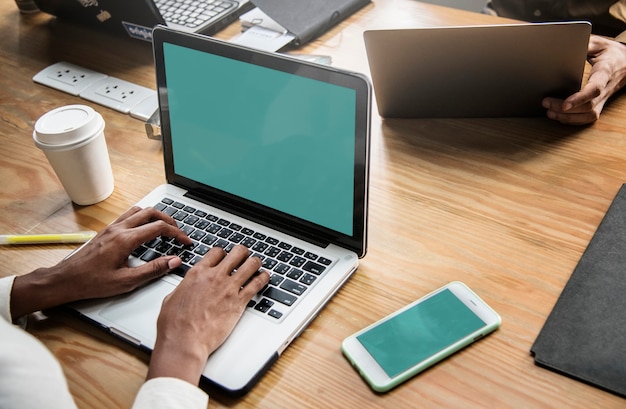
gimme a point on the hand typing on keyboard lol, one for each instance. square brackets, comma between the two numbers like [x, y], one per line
[197, 317]
[294, 270]
[100, 268]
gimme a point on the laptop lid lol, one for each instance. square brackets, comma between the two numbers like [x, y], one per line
[475, 71]
[135, 18]
[270, 138]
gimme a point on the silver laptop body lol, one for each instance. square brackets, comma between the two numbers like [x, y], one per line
[282, 154]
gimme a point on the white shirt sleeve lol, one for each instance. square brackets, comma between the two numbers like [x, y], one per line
[171, 393]
[30, 376]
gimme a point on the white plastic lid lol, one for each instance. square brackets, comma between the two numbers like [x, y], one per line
[67, 125]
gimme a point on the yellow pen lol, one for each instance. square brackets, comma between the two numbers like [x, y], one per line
[54, 238]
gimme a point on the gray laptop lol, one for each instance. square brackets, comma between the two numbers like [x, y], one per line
[137, 18]
[475, 71]
[262, 150]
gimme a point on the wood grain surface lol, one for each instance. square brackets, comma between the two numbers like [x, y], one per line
[505, 205]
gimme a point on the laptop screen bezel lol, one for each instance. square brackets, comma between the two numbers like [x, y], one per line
[317, 234]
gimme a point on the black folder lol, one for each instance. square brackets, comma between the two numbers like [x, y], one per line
[584, 336]
[308, 19]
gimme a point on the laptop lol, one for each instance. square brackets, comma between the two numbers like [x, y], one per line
[263, 150]
[137, 18]
[475, 71]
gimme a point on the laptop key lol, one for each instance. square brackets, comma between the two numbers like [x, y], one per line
[310, 255]
[202, 224]
[263, 305]
[293, 287]
[282, 268]
[170, 211]
[295, 274]
[325, 261]
[214, 228]
[280, 296]
[260, 246]
[186, 256]
[209, 239]
[163, 247]
[272, 252]
[160, 207]
[269, 263]
[284, 256]
[150, 255]
[139, 251]
[297, 261]
[259, 236]
[180, 270]
[248, 242]
[313, 267]
[197, 235]
[180, 215]
[275, 280]
[308, 279]
[284, 246]
[221, 243]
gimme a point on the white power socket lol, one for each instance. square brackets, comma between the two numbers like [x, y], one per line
[117, 94]
[111, 92]
[68, 77]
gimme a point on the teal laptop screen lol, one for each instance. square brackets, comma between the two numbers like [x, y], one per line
[274, 138]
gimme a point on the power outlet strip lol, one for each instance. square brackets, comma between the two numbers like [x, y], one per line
[67, 77]
[123, 96]
[116, 94]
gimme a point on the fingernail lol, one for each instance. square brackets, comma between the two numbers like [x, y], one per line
[173, 263]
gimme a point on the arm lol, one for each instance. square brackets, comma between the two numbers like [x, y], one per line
[100, 268]
[607, 76]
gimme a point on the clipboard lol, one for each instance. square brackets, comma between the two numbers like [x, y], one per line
[308, 19]
[584, 336]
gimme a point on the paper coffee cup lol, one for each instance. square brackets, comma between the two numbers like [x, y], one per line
[72, 138]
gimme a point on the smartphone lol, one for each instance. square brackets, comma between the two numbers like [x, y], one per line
[406, 342]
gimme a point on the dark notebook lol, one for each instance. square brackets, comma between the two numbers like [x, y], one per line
[308, 19]
[585, 335]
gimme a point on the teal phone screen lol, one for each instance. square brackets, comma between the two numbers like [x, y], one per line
[419, 332]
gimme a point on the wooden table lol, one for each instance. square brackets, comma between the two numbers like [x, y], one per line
[505, 205]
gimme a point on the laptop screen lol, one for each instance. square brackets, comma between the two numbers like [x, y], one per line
[275, 137]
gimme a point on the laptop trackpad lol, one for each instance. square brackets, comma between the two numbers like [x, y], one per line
[136, 314]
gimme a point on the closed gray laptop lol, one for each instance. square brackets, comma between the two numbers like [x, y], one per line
[475, 71]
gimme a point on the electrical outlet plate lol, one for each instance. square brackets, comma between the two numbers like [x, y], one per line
[146, 108]
[116, 94]
[68, 77]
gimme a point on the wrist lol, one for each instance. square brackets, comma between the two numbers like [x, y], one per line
[40, 289]
[178, 360]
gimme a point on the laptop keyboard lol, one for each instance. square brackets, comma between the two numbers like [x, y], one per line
[293, 270]
[192, 13]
